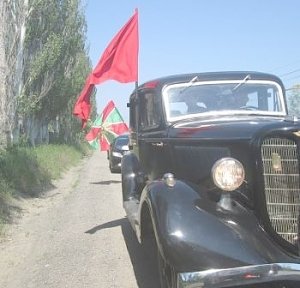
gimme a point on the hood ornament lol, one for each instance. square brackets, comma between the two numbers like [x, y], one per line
[276, 162]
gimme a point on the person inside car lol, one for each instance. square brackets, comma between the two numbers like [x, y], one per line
[234, 101]
[241, 99]
[193, 105]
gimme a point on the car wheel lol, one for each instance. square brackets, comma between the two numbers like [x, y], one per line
[167, 274]
[112, 168]
[163, 272]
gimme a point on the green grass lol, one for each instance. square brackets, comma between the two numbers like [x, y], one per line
[57, 159]
[6, 193]
[29, 171]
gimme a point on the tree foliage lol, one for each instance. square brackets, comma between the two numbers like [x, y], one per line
[56, 61]
[294, 101]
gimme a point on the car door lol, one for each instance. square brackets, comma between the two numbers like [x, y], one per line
[151, 134]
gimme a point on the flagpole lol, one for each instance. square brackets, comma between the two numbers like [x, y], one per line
[137, 110]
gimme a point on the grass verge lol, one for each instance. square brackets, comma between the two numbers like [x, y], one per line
[29, 171]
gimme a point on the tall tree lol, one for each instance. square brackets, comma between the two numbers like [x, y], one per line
[56, 62]
[12, 35]
[2, 73]
[43, 66]
[294, 100]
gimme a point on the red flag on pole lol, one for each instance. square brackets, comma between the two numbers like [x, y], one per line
[82, 106]
[120, 59]
[118, 62]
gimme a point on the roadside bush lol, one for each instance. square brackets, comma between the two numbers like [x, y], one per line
[5, 195]
[28, 171]
[56, 159]
[19, 168]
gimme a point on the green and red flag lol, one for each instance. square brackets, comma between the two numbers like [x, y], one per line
[106, 128]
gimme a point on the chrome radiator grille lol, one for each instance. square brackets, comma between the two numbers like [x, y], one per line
[282, 188]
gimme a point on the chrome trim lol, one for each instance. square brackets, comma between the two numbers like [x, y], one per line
[282, 186]
[245, 275]
[157, 144]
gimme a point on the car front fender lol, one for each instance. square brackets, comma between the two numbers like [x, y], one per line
[194, 233]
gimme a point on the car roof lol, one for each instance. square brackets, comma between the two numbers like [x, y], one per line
[209, 76]
[122, 136]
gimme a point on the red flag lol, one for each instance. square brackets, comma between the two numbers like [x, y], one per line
[82, 106]
[120, 59]
[118, 62]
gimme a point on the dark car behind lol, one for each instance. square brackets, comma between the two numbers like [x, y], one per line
[117, 149]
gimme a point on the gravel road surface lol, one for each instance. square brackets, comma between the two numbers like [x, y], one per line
[76, 236]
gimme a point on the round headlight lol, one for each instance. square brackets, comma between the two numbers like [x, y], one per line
[228, 174]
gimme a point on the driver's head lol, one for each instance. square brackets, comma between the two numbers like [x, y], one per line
[241, 99]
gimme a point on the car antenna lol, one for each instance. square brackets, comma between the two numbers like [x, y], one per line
[243, 82]
[190, 83]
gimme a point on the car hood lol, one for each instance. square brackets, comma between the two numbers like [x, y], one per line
[225, 127]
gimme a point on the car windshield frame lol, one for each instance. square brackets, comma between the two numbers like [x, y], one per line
[183, 89]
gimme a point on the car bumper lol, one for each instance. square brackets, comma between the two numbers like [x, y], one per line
[246, 275]
[116, 161]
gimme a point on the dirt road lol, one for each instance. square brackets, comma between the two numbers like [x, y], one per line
[75, 236]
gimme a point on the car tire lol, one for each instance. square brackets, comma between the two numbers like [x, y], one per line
[163, 272]
[112, 168]
[167, 274]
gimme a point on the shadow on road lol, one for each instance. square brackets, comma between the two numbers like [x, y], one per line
[145, 272]
[106, 182]
[110, 224]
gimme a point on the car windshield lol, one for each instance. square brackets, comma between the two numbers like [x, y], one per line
[184, 100]
[122, 141]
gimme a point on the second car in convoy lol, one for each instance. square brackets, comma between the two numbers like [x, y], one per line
[118, 148]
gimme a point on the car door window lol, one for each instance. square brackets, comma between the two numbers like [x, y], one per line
[149, 111]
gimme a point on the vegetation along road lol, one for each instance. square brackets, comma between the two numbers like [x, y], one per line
[75, 236]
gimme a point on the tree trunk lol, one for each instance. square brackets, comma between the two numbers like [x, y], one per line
[3, 73]
[36, 130]
[17, 120]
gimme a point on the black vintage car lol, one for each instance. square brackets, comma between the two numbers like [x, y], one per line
[211, 182]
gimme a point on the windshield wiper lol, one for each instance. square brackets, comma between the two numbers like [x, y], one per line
[190, 83]
[248, 77]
